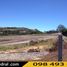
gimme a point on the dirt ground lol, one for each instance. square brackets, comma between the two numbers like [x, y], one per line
[53, 56]
[12, 55]
[21, 38]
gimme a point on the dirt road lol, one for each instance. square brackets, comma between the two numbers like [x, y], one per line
[10, 40]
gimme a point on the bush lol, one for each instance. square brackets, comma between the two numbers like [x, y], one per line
[64, 32]
[34, 50]
[33, 42]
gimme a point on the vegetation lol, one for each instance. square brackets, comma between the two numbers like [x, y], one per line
[12, 47]
[62, 29]
[23, 31]
[48, 43]
[18, 31]
[51, 31]
[64, 32]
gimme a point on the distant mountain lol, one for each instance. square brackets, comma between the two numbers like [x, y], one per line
[18, 31]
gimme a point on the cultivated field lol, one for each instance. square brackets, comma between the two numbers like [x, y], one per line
[30, 47]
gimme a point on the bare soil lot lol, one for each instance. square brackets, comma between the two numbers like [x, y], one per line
[17, 48]
[20, 38]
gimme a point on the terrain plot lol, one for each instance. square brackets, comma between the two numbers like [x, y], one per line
[29, 47]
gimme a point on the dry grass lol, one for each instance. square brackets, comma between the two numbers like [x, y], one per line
[45, 44]
[12, 47]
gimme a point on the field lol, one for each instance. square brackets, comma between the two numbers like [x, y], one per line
[30, 47]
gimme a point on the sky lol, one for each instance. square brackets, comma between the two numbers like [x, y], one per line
[35, 14]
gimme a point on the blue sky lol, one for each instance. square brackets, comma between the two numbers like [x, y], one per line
[41, 14]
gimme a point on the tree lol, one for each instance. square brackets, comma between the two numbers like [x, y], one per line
[64, 32]
[36, 31]
[60, 28]
[51, 31]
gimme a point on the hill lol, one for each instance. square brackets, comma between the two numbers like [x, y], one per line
[18, 31]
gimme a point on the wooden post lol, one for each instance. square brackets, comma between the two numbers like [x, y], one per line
[60, 43]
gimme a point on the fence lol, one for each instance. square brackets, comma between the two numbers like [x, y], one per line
[58, 54]
[60, 44]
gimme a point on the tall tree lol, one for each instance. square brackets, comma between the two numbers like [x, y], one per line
[60, 28]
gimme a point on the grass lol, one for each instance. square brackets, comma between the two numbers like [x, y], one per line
[48, 43]
[11, 47]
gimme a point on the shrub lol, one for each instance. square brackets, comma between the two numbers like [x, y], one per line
[34, 50]
[33, 42]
